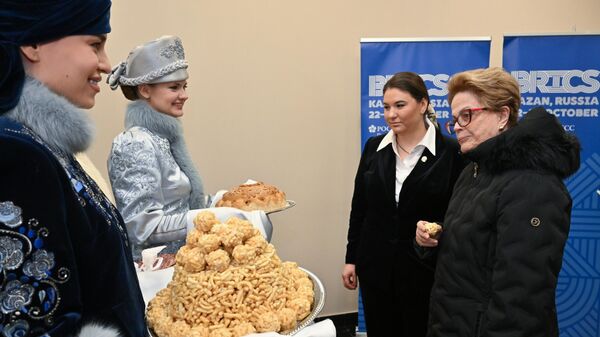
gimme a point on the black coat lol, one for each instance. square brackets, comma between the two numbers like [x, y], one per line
[504, 233]
[381, 233]
[64, 252]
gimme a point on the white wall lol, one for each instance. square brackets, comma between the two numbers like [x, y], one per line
[275, 94]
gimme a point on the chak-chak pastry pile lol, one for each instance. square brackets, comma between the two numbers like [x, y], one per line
[229, 282]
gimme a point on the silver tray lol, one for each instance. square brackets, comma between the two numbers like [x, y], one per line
[317, 306]
[289, 204]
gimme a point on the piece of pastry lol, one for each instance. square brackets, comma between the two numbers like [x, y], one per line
[433, 229]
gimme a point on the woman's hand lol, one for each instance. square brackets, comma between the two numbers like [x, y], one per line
[349, 276]
[422, 236]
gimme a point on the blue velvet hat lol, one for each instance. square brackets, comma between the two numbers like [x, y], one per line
[27, 22]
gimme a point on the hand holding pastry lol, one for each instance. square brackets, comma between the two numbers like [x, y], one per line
[427, 233]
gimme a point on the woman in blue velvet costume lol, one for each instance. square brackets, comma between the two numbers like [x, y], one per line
[65, 261]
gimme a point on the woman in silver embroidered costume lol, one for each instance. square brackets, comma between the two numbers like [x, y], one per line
[65, 261]
[154, 181]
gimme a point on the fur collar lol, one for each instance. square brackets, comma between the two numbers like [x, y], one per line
[538, 142]
[139, 113]
[52, 117]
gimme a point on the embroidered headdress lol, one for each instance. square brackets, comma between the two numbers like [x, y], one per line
[158, 61]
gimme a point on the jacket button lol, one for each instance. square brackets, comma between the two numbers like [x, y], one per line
[535, 221]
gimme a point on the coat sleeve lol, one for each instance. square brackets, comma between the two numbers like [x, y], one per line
[40, 287]
[457, 164]
[533, 219]
[136, 179]
[359, 204]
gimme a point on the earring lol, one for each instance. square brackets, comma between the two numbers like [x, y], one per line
[501, 128]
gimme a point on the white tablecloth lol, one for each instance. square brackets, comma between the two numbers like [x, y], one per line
[152, 282]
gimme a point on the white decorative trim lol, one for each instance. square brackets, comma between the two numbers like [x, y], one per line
[424, 39]
[180, 64]
[550, 34]
[98, 330]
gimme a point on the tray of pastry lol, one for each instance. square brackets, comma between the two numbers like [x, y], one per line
[229, 281]
[317, 306]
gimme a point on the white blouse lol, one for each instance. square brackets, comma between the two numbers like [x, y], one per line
[406, 165]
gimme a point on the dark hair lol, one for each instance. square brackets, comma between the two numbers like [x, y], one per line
[130, 92]
[409, 82]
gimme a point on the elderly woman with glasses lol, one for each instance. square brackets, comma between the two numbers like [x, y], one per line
[503, 236]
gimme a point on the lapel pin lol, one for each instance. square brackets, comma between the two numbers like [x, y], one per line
[424, 159]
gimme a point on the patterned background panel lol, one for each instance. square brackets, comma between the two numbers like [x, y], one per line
[578, 291]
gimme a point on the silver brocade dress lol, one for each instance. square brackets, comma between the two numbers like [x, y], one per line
[151, 191]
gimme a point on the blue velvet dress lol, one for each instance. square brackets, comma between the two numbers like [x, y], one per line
[65, 259]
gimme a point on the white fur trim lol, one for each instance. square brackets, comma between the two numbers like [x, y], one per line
[98, 330]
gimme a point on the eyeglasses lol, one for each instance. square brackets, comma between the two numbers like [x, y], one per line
[463, 119]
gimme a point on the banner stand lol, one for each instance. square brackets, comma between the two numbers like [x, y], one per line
[562, 73]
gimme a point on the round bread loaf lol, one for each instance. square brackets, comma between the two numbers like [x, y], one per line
[253, 197]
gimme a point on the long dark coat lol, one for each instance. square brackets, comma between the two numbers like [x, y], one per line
[504, 233]
[381, 234]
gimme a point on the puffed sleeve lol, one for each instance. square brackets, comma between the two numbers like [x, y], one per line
[40, 287]
[532, 228]
[359, 203]
[136, 179]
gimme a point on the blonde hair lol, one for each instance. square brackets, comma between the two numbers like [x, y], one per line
[494, 87]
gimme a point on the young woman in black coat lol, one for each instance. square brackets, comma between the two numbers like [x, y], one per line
[507, 223]
[404, 176]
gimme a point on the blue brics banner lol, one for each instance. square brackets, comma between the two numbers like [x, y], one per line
[562, 73]
[434, 59]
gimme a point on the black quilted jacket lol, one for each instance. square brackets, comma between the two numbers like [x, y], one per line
[504, 234]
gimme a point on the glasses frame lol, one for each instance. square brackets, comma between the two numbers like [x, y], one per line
[455, 120]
